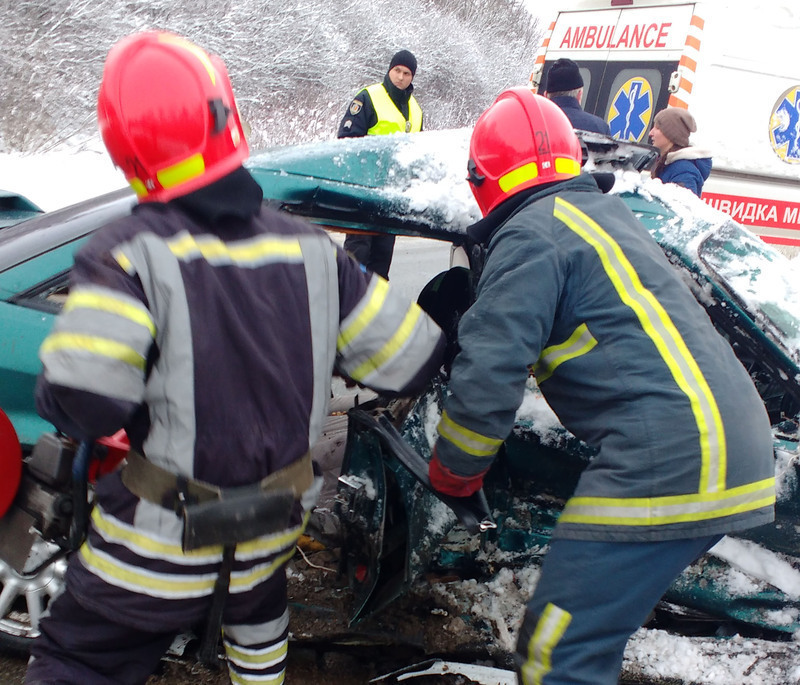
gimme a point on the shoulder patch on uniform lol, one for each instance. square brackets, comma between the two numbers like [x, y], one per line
[355, 107]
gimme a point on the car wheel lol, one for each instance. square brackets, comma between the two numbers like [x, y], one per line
[24, 596]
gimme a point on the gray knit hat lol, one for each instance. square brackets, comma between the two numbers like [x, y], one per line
[676, 124]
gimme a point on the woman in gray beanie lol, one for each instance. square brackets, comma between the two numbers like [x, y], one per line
[679, 162]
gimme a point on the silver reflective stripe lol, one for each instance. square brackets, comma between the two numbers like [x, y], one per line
[104, 329]
[250, 253]
[669, 510]
[178, 577]
[95, 365]
[658, 326]
[552, 625]
[385, 340]
[319, 256]
[169, 393]
[579, 343]
[259, 632]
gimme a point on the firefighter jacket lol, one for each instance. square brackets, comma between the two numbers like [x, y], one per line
[381, 109]
[576, 289]
[214, 344]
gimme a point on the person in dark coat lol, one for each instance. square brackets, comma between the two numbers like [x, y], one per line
[680, 162]
[208, 326]
[382, 109]
[564, 86]
[576, 292]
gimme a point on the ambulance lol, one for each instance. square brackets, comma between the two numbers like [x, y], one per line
[734, 65]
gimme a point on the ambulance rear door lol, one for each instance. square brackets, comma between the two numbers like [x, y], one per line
[629, 58]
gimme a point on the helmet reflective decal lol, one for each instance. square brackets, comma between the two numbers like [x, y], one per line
[631, 110]
[784, 126]
[523, 140]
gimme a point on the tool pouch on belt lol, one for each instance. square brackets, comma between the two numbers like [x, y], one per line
[221, 516]
[237, 517]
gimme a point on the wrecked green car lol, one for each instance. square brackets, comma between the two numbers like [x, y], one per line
[399, 539]
[465, 570]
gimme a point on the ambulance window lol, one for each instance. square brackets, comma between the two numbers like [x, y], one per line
[586, 75]
[631, 104]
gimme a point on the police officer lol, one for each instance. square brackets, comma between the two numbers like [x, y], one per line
[381, 109]
[208, 326]
[575, 288]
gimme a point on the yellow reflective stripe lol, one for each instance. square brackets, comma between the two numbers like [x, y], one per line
[135, 579]
[368, 312]
[467, 440]
[658, 326]
[566, 165]
[392, 346]
[102, 347]
[550, 629]
[578, 344]
[189, 168]
[112, 305]
[518, 176]
[213, 249]
[177, 585]
[124, 262]
[138, 187]
[114, 530]
[244, 656]
[244, 679]
[659, 511]
[246, 580]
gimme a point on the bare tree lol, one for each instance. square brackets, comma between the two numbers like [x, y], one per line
[294, 67]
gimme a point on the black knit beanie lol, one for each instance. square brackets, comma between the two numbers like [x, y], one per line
[564, 75]
[406, 59]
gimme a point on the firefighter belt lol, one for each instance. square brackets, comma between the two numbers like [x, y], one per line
[221, 516]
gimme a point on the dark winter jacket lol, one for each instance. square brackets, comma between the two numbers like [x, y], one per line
[209, 327]
[576, 289]
[688, 167]
[361, 117]
[580, 119]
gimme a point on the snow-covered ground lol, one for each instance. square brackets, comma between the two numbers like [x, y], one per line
[60, 178]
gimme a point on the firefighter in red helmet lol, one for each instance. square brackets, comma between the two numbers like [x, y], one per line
[576, 292]
[208, 326]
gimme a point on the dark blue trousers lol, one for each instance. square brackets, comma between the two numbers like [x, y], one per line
[78, 646]
[590, 598]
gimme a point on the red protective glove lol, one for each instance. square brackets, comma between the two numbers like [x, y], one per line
[445, 481]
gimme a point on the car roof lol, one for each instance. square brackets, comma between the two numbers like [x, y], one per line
[45, 232]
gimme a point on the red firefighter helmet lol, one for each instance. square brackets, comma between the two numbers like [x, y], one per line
[167, 115]
[522, 140]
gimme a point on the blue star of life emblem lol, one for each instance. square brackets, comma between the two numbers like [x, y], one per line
[784, 126]
[631, 110]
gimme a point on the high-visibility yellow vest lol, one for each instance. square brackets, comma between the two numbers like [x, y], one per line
[390, 119]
